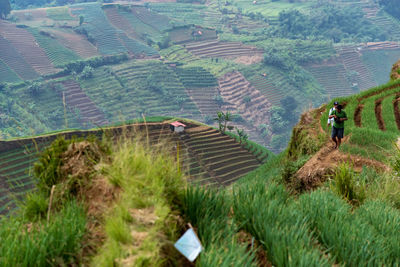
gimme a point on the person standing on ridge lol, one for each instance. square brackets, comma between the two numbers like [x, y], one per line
[331, 121]
[339, 117]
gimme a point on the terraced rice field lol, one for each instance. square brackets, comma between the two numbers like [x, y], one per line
[127, 21]
[196, 77]
[98, 28]
[332, 76]
[234, 88]
[124, 92]
[27, 47]
[204, 100]
[205, 154]
[55, 51]
[352, 61]
[177, 53]
[191, 34]
[157, 21]
[379, 60]
[75, 42]
[14, 60]
[266, 86]
[221, 49]
[7, 74]
[77, 100]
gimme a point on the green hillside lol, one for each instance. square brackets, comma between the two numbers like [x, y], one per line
[310, 205]
[293, 53]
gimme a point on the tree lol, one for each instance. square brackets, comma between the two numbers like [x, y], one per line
[223, 119]
[242, 135]
[5, 8]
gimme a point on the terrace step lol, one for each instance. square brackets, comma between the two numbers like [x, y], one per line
[77, 99]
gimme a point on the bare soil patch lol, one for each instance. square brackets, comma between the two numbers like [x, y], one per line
[248, 60]
[378, 114]
[357, 115]
[394, 74]
[321, 165]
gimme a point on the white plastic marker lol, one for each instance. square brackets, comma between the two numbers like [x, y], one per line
[189, 245]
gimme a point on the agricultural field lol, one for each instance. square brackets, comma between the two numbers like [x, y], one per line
[307, 63]
[207, 156]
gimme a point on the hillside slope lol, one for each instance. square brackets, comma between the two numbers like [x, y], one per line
[206, 155]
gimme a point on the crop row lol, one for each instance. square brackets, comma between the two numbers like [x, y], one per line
[25, 44]
[196, 77]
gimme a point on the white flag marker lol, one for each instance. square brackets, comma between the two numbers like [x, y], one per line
[189, 245]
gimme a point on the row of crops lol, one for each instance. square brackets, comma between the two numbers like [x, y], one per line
[196, 77]
[138, 87]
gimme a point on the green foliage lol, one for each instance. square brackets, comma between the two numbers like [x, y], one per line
[347, 185]
[208, 210]
[265, 211]
[391, 6]
[47, 169]
[330, 22]
[347, 236]
[35, 206]
[151, 189]
[5, 8]
[57, 242]
[223, 118]
[86, 73]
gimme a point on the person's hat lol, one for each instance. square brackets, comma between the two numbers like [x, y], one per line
[336, 103]
[339, 107]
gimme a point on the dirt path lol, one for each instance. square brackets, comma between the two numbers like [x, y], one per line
[322, 164]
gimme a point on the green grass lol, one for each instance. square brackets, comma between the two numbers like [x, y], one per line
[151, 186]
[57, 242]
[208, 211]
[368, 141]
[59, 13]
[7, 74]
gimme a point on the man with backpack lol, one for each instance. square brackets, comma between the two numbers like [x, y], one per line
[331, 121]
[339, 116]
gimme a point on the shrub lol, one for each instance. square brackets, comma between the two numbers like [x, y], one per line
[344, 184]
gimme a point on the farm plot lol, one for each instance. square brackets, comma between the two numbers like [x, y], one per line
[77, 100]
[186, 13]
[379, 62]
[332, 76]
[204, 98]
[14, 60]
[139, 87]
[59, 13]
[157, 21]
[216, 158]
[352, 62]
[266, 86]
[196, 77]
[98, 29]
[132, 25]
[16, 174]
[239, 94]
[75, 42]
[57, 53]
[190, 34]
[27, 47]
[206, 161]
[7, 74]
[177, 53]
[221, 49]
[385, 21]
[51, 115]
